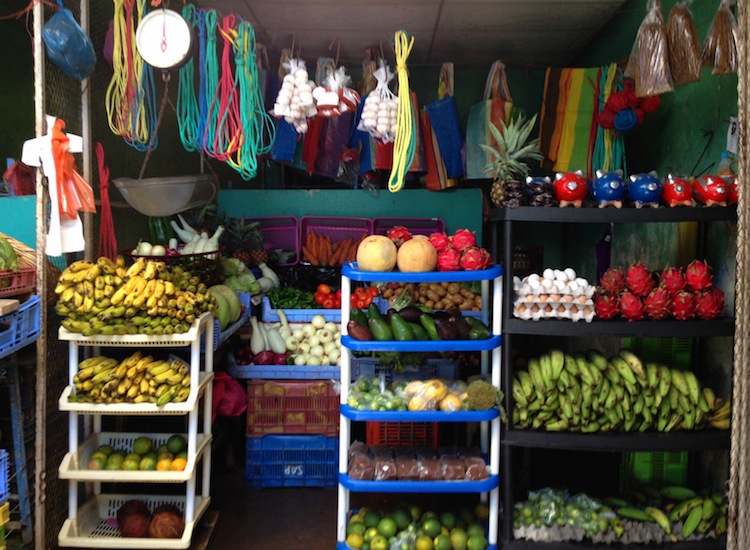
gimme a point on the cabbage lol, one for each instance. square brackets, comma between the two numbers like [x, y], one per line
[231, 267]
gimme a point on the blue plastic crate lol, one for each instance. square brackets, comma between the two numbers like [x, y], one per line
[291, 461]
[21, 327]
[370, 367]
[4, 476]
[282, 372]
[269, 314]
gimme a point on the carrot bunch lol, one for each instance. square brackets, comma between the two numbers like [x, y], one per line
[320, 250]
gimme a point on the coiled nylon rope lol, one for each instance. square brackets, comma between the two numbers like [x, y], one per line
[188, 116]
[130, 98]
[404, 146]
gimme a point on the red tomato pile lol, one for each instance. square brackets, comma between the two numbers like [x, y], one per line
[363, 297]
[326, 298]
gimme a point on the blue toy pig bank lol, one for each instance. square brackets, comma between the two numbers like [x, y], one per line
[608, 188]
[644, 190]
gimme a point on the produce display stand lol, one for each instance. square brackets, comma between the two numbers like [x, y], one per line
[489, 349]
[91, 524]
[505, 232]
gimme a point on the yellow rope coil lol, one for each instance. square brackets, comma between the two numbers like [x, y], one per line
[404, 145]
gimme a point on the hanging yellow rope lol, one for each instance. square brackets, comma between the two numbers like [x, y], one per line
[405, 145]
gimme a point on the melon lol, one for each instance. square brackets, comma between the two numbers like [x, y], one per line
[376, 253]
[417, 255]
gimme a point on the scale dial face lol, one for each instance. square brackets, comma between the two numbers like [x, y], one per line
[163, 38]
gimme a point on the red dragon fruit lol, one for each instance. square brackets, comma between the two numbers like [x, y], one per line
[698, 275]
[683, 305]
[449, 259]
[656, 304]
[439, 241]
[631, 306]
[399, 235]
[639, 280]
[672, 279]
[474, 258]
[709, 303]
[463, 239]
[606, 305]
[613, 281]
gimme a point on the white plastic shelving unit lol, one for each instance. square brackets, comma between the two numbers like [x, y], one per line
[92, 524]
[491, 283]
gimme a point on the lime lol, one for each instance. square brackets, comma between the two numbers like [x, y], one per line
[183, 454]
[431, 527]
[459, 539]
[379, 542]
[477, 542]
[482, 511]
[387, 527]
[133, 456]
[448, 520]
[113, 465]
[115, 459]
[475, 529]
[142, 445]
[371, 518]
[424, 543]
[162, 449]
[147, 463]
[176, 444]
[97, 463]
[106, 449]
[402, 518]
[165, 454]
[415, 512]
[354, 540]
[370, 534]
[130, 464]
[99, 456]
[442, 542]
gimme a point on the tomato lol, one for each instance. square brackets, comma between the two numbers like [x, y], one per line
[319, 297]
[336, 302]
[373, 291]
[359, 302]
[359, 291]
[328, 303]
[324, 289]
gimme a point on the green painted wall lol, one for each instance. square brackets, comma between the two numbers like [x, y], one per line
[18, 218]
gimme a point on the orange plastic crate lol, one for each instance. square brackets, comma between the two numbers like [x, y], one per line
[292, 407]
[416, 434]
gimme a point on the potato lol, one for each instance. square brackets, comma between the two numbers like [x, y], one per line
[432, 295]
[453, 288]
[457, 299]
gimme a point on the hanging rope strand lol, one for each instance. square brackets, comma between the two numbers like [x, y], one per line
[404, 146]
[227, 137]
[211, 84]
[187, 103]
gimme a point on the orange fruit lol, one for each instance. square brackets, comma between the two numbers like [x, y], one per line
[178, 464]
[164, 464]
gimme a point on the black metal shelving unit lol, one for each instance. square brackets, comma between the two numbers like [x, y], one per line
[502, 221]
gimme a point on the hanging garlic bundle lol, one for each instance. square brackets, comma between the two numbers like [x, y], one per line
[380, 111]
[333, 97]
[295, 101]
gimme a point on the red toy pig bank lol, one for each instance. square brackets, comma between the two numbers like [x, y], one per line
[677, 191]
[711, 190]
[570, 188]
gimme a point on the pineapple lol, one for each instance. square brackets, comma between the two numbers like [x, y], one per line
[509, 159]
[256, 245]
[237, 235]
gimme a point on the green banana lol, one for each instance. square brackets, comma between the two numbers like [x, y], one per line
[652, 375]
[635, 364]
[535, 371]
[691, 522]
[623, 369]
[557, 360]
[661, 518]
[545, 363]
[635, 514]
[679, 382]
[677, 493]
[694, 389]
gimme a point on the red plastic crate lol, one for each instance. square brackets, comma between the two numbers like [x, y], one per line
[417, 434]
[13, 283]
[292, 407]
[280, 232]
[416, 226]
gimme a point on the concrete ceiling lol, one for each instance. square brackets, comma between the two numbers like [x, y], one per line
[467, 32]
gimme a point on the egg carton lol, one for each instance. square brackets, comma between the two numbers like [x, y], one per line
[534, 311]
[554, 282]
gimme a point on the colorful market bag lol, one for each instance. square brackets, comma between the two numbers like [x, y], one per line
[446, 127]
[495, 107]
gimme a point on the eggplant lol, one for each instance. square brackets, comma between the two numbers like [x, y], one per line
[358, 331]
[411, 314]
[446, 328]
[462, 327]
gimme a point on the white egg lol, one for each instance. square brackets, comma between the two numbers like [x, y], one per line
[581, 281]
[559, 285]
[573, 286]
[304, 88]
[382, 128]
[570, 272]
[305, 98]
[301, 74]
[548, 273]
[534, 276]
[288, 79]
[295, 113]
[548, 284]
[534, 284]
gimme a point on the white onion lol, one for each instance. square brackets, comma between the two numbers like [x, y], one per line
[158, 250]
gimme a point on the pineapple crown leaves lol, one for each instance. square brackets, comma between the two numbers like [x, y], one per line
[512, 151]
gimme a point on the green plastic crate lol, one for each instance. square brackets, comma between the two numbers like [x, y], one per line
[670, 467]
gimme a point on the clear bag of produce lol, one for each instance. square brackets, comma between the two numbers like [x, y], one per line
[684, 44]
[380, 111]
[720, 44]
[295, 102]
[648, 64]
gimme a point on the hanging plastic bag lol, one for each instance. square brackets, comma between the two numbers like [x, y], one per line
[334, 97]
[334, 138]
[496, 107]
[20, 178]
[294, 101]
[684, 44]
[73, 192]
[228, 397]
[648, 64]
[720, 44]
[67, 44]
[380, 112]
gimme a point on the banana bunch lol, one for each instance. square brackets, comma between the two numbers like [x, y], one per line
[682, 513]
[105, 297]
[138, 378]
[590, 393]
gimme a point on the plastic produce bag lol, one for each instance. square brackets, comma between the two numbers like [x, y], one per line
[73, 192]
[20, 179]
[684, 44]
[379, 114]
[648, 64]
[229, 398]
[720, 44]
[334, 97]
[294, 101]
[334, 137]
[67, 45]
